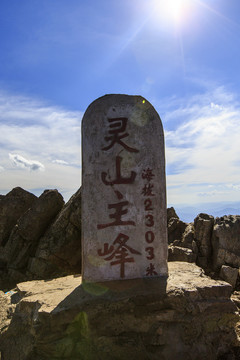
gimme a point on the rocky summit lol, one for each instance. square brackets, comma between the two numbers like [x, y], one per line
[189, 316]
[48, 312]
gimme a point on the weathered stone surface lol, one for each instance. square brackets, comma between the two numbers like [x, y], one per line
[226, 241]
[23, 240]
[124, 229]
[203, 225]
[188, 238]
[176, 229]
[59, 250]
[171, 213]
[6, 310]
[178, 253]
[12, 207]
[67, 319]
[229, 274]
[236, 298]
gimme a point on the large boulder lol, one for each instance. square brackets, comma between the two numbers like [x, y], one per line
[176, 229]
[190, 317]
[226, 241]
[24, 237]
[188, 239]
[203, 225]
[59, 250]
[12, 207]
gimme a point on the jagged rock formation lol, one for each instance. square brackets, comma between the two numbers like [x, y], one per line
[211, 243]
[59, 250]
[12, 207]
[176, 229]
[132, 319]
[24, 237]
[42, 238]
[171, 213]
[203, 226]
[226, 241]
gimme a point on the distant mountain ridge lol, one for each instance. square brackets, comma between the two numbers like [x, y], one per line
[188, 213]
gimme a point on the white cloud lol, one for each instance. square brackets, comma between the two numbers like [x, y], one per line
[202, 148]
[1, 168]
[37, 134]
[60, 162]
[23, 163]
[211, 193]
[216, 106]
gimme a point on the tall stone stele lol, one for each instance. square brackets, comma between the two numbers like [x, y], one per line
[124, 218]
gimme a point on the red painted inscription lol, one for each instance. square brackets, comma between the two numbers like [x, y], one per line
[117, 215]
[148, 205]
[148, 174]
[151, 270]
[148, 190]
[150, 251]
[119, 179]
[116, 131]
[149, 220]
[121, 253]
[149, 236]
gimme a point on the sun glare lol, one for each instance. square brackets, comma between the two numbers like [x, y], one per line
[168, 10]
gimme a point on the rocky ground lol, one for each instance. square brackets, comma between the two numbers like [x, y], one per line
[40, 239]
[186, 317]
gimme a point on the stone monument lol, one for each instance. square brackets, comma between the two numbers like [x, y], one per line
[124, 219]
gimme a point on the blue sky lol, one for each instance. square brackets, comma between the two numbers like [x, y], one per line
[57, 56]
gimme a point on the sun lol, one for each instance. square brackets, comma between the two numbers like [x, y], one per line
[168, 10]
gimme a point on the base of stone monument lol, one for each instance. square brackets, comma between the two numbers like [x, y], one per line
[189, 316]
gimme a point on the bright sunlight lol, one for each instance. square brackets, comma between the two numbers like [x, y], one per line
[175, 10]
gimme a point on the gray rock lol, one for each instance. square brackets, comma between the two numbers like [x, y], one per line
[188, 237]
[6, 311]
[59, 250]
[178, 253]
[203, 225]
[132, 319]
[12, 207]
[171, 213]
[229, 274]
[226, 241]
[24, 237]
[176, 229]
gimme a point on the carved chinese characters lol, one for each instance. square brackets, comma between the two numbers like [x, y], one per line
[124, 233]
